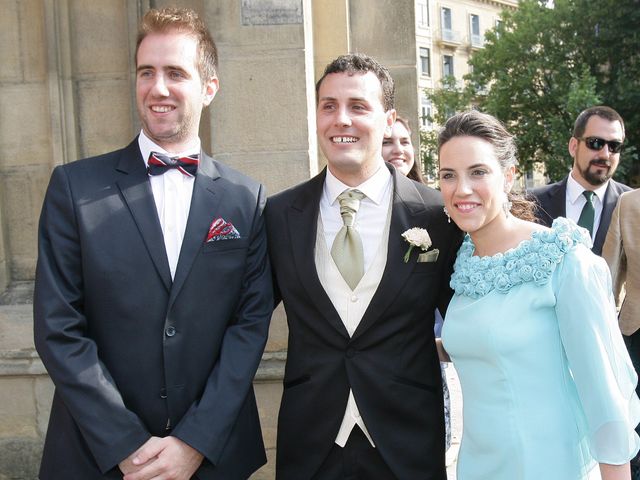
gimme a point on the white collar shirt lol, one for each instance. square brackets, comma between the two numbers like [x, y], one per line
[372, 214]
[172, 195]
[371, 223]
[575, 201]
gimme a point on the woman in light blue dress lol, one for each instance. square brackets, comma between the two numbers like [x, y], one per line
[547, 384]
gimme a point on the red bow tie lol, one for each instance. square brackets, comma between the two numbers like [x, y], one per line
[159, 163]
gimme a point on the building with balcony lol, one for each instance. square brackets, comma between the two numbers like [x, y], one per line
[447, 34]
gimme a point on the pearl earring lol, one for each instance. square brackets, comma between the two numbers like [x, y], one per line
[506, 206]
[446, 212]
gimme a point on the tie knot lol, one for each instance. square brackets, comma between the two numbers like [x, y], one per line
[160, 163]
[349, 205]
[588, 194]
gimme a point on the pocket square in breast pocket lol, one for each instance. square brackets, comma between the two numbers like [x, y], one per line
[430, 256]
[220, 229]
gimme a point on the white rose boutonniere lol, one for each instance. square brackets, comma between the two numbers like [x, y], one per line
[416, 237]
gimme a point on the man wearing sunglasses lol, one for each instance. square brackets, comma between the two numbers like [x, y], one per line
[588, 195]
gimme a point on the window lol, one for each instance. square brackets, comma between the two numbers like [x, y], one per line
[425, 112]
[474, 30]
[447, 65]
[447, 32]
[422, 13]
[498, 27]
[446, 18]
[529, 181]
[425, 62]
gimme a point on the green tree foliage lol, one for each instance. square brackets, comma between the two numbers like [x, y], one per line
[542, 66]
[448, 100]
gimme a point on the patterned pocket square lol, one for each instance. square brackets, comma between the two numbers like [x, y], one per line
[220, 229]
[430, 256]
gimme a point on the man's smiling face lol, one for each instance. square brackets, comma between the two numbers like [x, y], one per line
[170, 94]
[351, 123]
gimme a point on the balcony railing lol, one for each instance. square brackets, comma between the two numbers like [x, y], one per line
[477, 41]
[450, 36]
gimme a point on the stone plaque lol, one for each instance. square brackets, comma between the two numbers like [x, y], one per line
[271, 12]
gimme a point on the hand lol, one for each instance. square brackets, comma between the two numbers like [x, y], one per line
[167, 458]
[127, 466]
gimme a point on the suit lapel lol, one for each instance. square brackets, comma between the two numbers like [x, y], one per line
[407, 206]
[302, 221]
[137, 194]
[205, 199]
[557, 204]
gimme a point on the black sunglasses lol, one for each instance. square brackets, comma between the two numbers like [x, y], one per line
[597, 143]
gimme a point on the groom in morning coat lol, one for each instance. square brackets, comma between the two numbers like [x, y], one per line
[153, 290]
[362, 389]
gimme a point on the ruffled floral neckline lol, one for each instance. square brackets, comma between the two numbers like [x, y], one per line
[533, 260]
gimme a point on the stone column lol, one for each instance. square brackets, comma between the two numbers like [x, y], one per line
[262, 122]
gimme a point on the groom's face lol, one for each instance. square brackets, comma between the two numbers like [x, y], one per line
[351, 122]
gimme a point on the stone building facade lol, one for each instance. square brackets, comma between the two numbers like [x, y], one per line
[67, 92]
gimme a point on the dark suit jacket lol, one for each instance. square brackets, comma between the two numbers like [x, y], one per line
[128, 349]
[551, 204]
[391, 361]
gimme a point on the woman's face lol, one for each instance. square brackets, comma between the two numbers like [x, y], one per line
[398, 149]
[472, 183]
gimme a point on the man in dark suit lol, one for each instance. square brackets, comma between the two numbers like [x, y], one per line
[598, 135]
[153, 289]
[362, 389]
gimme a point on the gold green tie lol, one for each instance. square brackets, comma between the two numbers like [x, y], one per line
[347, 250]
[588, 214]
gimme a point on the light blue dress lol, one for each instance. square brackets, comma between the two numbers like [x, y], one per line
[547, 384]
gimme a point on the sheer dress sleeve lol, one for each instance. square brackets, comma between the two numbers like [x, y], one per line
[600, 365]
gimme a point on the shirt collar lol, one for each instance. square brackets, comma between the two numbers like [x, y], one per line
[147, 146]
[374, 187]
[574, 190]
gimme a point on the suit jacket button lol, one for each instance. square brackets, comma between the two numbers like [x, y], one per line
[351, 352]
[163, 393]
[170, 331]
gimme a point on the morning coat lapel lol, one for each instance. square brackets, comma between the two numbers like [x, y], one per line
[407, 211]
[205, 199]
[302, 222]
[136, 191]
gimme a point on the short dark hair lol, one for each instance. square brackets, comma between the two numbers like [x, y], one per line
[361, 63]
[602, 111]
[187, 21]
[488, 128]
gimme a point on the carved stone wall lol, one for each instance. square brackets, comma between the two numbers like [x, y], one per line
[67, 92]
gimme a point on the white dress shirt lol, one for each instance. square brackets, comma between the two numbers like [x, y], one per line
[575, 201]
[371, 215]
[372, 222]
[172, 194]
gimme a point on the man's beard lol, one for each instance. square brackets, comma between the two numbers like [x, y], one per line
[594, 177]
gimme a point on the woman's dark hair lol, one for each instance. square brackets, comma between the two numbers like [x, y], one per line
[473, 123]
